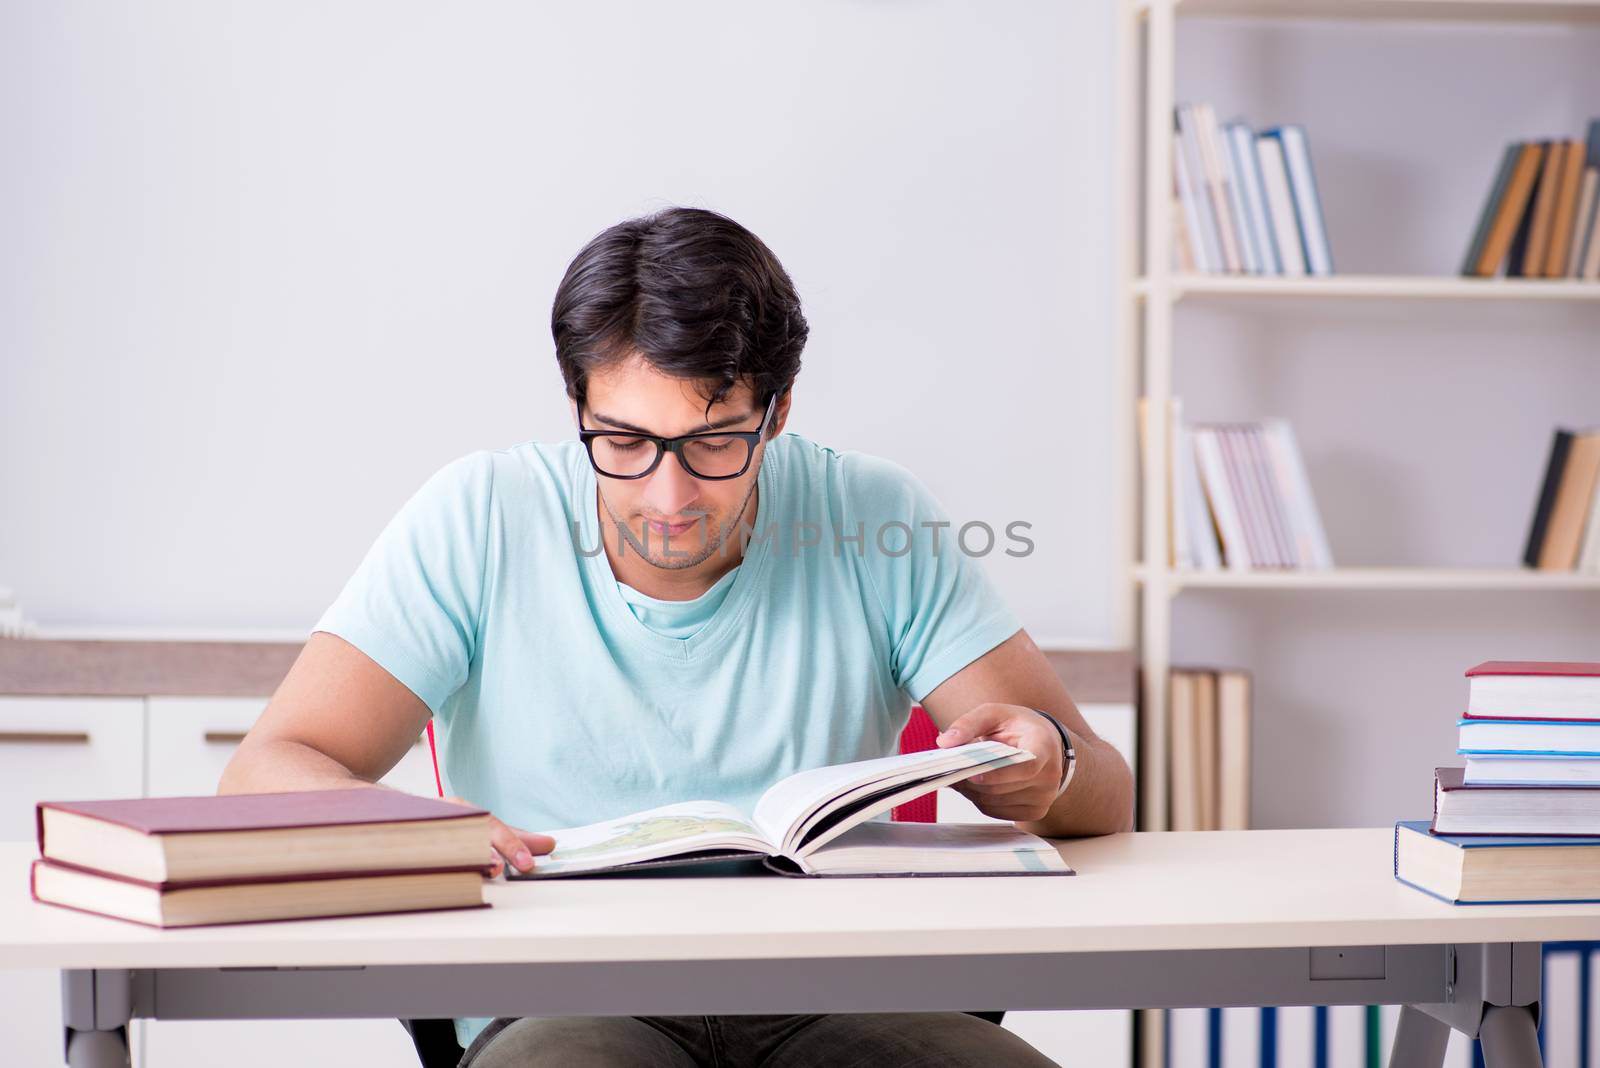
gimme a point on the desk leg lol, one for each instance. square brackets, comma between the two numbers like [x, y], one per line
[96, 1005]
[1510, 1038]
[1419, 1040]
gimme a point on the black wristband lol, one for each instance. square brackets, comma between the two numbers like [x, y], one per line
[1069, 755]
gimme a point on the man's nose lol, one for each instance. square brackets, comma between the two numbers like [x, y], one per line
[671, 488]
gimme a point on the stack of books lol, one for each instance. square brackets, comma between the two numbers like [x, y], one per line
[1521, 822]
[1238, 497]
[1246, 202]
[243, 858]
[1565, 533]
[1209, 750]
[1542, 215]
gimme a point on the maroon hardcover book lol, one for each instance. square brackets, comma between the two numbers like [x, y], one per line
[33, 891]
[260, 812]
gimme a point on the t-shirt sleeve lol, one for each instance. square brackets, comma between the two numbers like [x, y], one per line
[941, 610]
[413, 605]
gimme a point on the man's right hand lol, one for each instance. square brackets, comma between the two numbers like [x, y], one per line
[509, 845]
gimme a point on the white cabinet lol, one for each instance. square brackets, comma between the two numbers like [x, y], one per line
[56, 749]
[191, 740]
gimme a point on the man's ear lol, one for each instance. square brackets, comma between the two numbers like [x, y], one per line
[780, 414]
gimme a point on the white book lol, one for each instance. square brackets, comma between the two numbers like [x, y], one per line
[1347, 1036]
[1581, 222]
[1241, 145]
[1297, 1037]
[1310, 537]
[1307, 201]
[1194, 165]
[1183, 556]
[1263, 552]
[1217, 179]
[1224, 509]
[1561, 1008]
[1589, 552]
[1591, 255]
[1285, 229]
[1592, 963]
[1272, 493]
[1203, 533]
[1236, 204]
[1241, 1037]
[814, 822]
[1188, 1038]
[1194, 229]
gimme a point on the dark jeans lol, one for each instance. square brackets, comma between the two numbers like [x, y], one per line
[866, 1040]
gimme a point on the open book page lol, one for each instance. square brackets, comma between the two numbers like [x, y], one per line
[841, 818]
[688, 827]
[934, 848]
[786, 809]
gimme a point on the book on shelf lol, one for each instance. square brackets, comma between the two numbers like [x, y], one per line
[1541, 218]
[1247, 202]
[1238, 496]
[235, 858]
[1208, 750]
[1491, 870]
[814, 822]
[1564, 534]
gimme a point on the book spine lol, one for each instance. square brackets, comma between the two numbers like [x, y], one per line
[1223, 507]
[1210, 238]
[1547, 496]
[1497, 192]
[1285, 230]
[1242, 144]
[1307, 199]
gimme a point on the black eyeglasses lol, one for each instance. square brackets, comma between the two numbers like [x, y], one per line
[712, 455]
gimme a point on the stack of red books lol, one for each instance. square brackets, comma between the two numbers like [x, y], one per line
[244, 858]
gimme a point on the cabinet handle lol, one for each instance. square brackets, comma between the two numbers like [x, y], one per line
[47, 737]
[224, 737]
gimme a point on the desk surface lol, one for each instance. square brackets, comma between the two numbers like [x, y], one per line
[1169, 891]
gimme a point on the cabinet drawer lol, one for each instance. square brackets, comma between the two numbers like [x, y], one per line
[193, 738]
[66, 749]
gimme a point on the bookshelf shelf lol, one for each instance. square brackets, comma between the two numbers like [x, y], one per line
[1469, 580]
[1557, 11]
[1372, 286]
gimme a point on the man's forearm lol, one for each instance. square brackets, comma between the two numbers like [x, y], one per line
[1099, 799]
[278, 765]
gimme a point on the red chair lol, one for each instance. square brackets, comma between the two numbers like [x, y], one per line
[918, 736]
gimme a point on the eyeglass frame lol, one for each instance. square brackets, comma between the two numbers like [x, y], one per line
[675, 445]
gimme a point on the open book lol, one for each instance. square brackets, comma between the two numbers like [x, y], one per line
[814, 823]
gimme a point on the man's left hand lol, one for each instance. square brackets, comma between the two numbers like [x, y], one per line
[1022, 792]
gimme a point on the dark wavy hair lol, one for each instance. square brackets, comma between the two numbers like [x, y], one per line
[691, 291]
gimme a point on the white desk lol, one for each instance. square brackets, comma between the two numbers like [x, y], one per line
[1151, 921]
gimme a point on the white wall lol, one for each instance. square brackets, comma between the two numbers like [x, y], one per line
[267, 266]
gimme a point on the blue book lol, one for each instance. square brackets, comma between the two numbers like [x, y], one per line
[1533, 737]
[1497, 870]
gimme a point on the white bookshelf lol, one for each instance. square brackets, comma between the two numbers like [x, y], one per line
[1151, 290]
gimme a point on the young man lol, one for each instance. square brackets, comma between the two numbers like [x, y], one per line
[684, 603]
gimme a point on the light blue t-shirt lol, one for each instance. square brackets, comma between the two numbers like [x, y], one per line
[561, 697]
